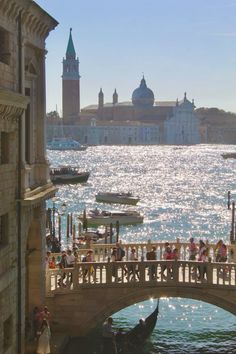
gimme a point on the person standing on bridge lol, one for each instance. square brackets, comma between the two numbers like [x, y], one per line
[202, 257]
[192, 249]
[120, 252]
[108, 336]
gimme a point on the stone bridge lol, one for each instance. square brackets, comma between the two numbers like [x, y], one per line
[80, 298]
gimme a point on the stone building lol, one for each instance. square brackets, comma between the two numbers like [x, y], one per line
[70, 85]
[175, 121]
[142, 121]
[25, 182]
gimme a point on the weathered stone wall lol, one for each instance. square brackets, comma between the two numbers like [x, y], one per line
[22, 266]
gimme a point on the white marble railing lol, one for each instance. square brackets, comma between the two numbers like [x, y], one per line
[140, 273]
[103, 251]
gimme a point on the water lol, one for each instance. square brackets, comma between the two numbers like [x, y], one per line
[183, 193]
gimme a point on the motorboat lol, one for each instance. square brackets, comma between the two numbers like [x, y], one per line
[113, 197]
[104, 217]
[229, 155]
[68, 174]
[99, 236]
[65, 144]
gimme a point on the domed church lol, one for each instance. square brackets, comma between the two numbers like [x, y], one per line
[143, 120]
[175, 120]
[143, 96]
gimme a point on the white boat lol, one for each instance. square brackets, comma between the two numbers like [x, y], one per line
[121, 198]
[104, 217]
[67, 174]
[65, 144]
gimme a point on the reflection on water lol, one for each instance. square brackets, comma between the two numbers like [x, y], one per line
[183, 192]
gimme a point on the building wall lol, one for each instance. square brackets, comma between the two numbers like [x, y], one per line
[122, 134]
[24, 182]
[71, 100]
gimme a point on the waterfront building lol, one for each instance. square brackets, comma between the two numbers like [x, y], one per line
[175, 121]
[25, 182]
[140, 121]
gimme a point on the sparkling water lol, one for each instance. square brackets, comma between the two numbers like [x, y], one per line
[183, 192]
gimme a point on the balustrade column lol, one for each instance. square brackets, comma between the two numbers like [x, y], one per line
[142, 268]
[75, 277]
[108, 266]
[209, 273]
[175, 271]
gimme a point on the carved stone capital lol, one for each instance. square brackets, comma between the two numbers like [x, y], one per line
[12, 104]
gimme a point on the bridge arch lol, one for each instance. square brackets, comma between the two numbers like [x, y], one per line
[85, 312]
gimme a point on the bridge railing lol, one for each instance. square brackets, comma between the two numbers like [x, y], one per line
[140, 273]
[102, 252]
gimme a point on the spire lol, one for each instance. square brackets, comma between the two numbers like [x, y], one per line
[115, 97]
[70, 51]
[143, 82]
[185, 96]
[100, 99]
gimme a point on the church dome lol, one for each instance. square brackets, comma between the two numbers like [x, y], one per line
[143, 96]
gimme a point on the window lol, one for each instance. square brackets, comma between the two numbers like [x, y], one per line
[3, 230]
[7, 333]
[4, 153]
[4, 47]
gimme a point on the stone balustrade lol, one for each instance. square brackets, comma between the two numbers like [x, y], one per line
[103, 251]
[140, 274]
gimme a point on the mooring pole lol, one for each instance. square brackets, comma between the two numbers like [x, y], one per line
[229, 199]
[233, 222]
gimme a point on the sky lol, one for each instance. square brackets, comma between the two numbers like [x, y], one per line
[179, 45]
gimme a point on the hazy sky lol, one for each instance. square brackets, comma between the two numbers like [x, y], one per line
[179, 45]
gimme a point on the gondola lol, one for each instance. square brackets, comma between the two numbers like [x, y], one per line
[137, 336]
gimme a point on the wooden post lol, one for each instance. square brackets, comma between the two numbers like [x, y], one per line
[79, 229]
[231, 237]
[111, 231]
[85, 221]
[71, 223]
[117, 230]
[232, 223]
[106, 234]
[229, 199]
[67, 226]
[73, 233]
[59, 228]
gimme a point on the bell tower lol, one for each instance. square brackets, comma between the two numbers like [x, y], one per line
[70, 85]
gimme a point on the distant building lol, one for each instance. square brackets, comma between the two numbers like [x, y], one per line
[175, 121]
[182, 127]
[140, 121]
[24, 184]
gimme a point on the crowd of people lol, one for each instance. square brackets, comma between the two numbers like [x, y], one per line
[196, 252]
